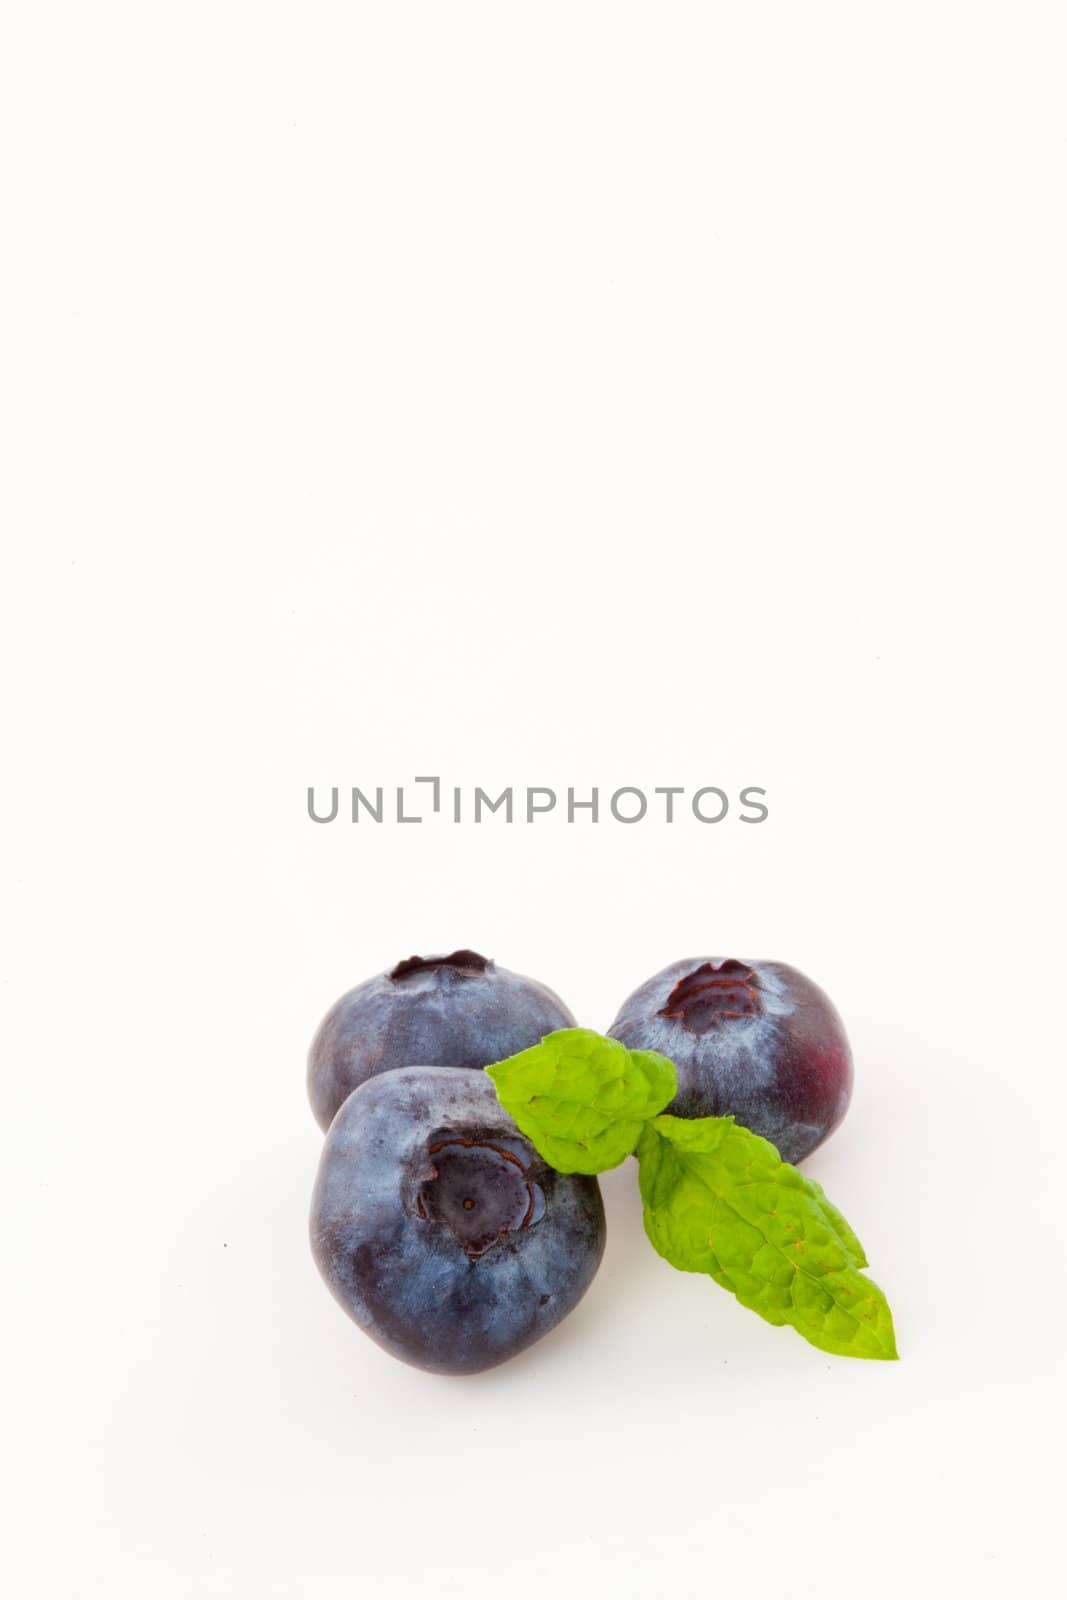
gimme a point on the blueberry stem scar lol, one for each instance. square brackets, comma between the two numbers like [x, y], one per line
[465, 963]
[498, 1188]
[712, 993]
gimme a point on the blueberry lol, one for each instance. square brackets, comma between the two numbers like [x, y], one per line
[440, 1230]
[456, 1011]
[753, 1039]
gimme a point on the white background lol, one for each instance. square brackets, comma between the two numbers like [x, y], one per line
[560, 394]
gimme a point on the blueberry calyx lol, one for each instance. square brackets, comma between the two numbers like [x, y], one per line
[713, 993]
[461, 963]
[478, 1191]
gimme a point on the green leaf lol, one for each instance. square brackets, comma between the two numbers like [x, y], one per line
[583, 1099]
[719, 1199]
[837, 1224]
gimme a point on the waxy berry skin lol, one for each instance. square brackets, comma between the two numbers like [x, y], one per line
[438, 1227]
[460, 1010]
[753, 1039]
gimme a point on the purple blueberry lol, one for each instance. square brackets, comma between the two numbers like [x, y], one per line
[438, 1227]
[456, 1011]
[753, 1039]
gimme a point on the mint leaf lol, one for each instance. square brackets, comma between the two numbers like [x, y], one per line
[837, 1224]
[583, 1099]
[719, 1199]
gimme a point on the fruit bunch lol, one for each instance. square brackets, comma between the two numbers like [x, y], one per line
[456, 1215]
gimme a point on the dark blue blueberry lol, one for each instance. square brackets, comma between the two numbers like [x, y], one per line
[456, 1011]
[756, 1040]
[440, 1230]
